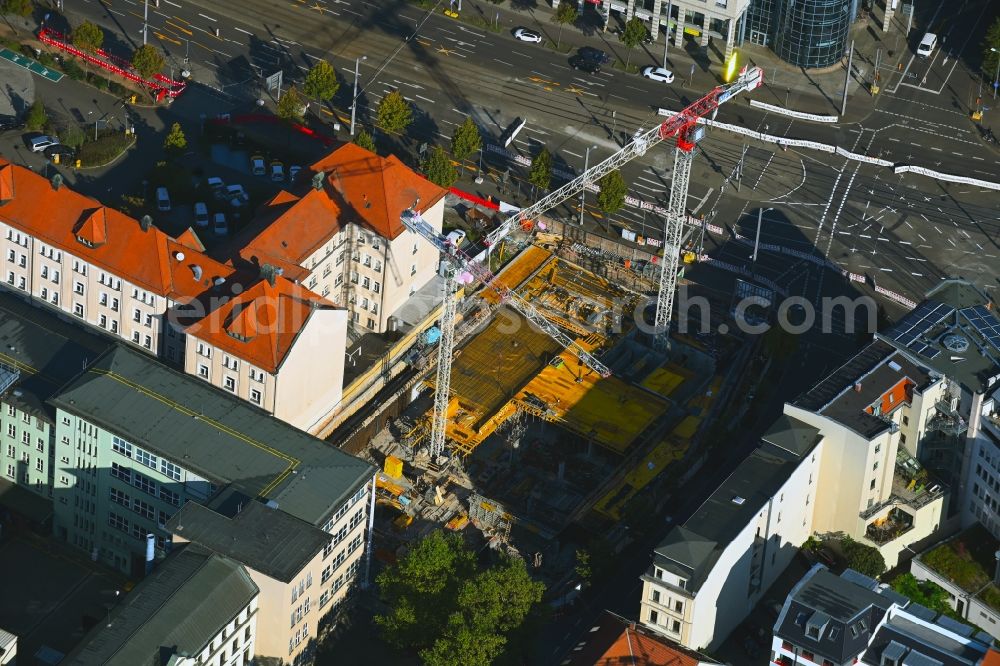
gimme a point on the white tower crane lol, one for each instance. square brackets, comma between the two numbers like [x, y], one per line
[462, 269]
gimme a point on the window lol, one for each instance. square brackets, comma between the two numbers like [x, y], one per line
[204, 350]
[26, 437]
[78, 309]
[10, 471]
[654, 596]
[11, 430]
[376, 287]
[118, 497]
[878, 447]
[144, 509]
[229, 383]
[902, 438]
[120, 472]
[366, 282]
[117, 522]
[114, 304]
[40, 465]
[148, 342]
[170, 470]
[906, 420]
[256, 375]
[413, 270]
[414, 249]
[654, 617]
[103, 300]
[149, 321]
[102, 321]
[230, 362]
[871, 486]
[255, 396]
[806, 654]
[170, 496]
[78, 288]
[144, 484]
[203, 371]
[678, 606]
[44, 294]
[137, 316]
[675, 626]
[875, 466]
[145, 458]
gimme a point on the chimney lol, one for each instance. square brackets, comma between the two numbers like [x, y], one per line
[268, 272]
[57, 181]
[145, 222]
[857, 387]
[317, 181]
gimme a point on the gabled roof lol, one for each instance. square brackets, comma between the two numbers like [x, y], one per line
[189, 238]
[178, 609]
[376, 189]
[57, 217]
[293, 227]
[614, 641]
[6, 182]
[261, 323]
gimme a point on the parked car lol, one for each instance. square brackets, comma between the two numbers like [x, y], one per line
[658, 74]
[162, 199]
[277, 171]
[201, 214]
[293, 171]
[526, 35]
[40, 143]
[584, 65]
[65, 152]
[217, 187]
[237, 195]
[11, 124]
[594, 55]
[219, 224]
[257, 166]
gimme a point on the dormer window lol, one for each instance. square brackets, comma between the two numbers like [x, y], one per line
[83, 241]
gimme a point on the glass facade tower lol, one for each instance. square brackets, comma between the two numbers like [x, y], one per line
[805, 33]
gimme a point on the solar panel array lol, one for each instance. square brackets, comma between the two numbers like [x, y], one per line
[917, 323]
[985, 323]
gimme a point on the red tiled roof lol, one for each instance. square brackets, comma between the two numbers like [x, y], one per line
[144, 258]
[261, 323]
[616, 642]
[377, 189]
[189, 238]
[293, 227]
[6, 182]
[992, 658]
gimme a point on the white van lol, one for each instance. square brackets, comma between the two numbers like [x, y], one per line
[927, 44]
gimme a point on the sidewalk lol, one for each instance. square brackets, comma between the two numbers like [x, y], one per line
[699, 69]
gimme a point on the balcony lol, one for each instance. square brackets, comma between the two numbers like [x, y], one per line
[946, 420]
[889, 527]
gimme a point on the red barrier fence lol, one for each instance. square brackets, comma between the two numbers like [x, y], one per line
[160, 84]
[479, 201]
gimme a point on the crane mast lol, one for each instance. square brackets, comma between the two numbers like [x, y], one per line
[682, 126]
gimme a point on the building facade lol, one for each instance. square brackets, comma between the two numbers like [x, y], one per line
[806, 33]
[724, 20]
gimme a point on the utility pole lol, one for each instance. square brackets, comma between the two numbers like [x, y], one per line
[666, 34]
[739, 168]
[847, 78]
[614, 124]
[996, 77]
[354, 100]
[145, 20]
[583, 191]
[756, 240]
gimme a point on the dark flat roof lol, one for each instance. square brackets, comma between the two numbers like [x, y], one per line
[697, 544]
[974, 368]
[179, 607]
[844, 395]
[265, 539]
[47, 350]
[214, 434]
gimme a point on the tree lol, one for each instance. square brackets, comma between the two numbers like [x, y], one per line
[633, 35]
[466, 140]
[924, 592]
[365, 140]
[540, 174]
[439, 168]
[450, 611]
[990, 58]
[147, 60]
[321, 82]
[37, 117]
[863, 559]
[582, 568]
[394, 113]
[18, 7]
[175, 142]
[290, 106]
[72, 136]
[613, 190]
[87, 37]
[565, 13]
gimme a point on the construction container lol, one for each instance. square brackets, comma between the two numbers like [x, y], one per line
[393, 467]
[402, 522]
[458, 522]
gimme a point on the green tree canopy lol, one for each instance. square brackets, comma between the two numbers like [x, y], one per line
[147, 60]
[466, 140]
[394, 113]
[991, 58]
[863, 559]
[175, 142]
[439, 169]
[450, 611]
[18, 7]
[37, 117]
[613, 190]
[87, 36]
[924, 592]
[633, 35]
[321, 82]
[290, 106]
[365, 140]
[565, 13]
[540, 174]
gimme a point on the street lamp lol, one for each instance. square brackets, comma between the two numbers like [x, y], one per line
[756, 241]
[583, 192]
[354, 100]
[996, 77]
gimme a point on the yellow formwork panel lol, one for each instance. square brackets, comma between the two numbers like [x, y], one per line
[663, 381]
[518, 270]
[687, 428]
[666, 452]
[607, 410]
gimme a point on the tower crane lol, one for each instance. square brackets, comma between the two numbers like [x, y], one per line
[461, 269]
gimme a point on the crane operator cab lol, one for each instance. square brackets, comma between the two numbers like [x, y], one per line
[927, 45]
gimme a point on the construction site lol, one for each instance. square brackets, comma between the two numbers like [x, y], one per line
[538, 439]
